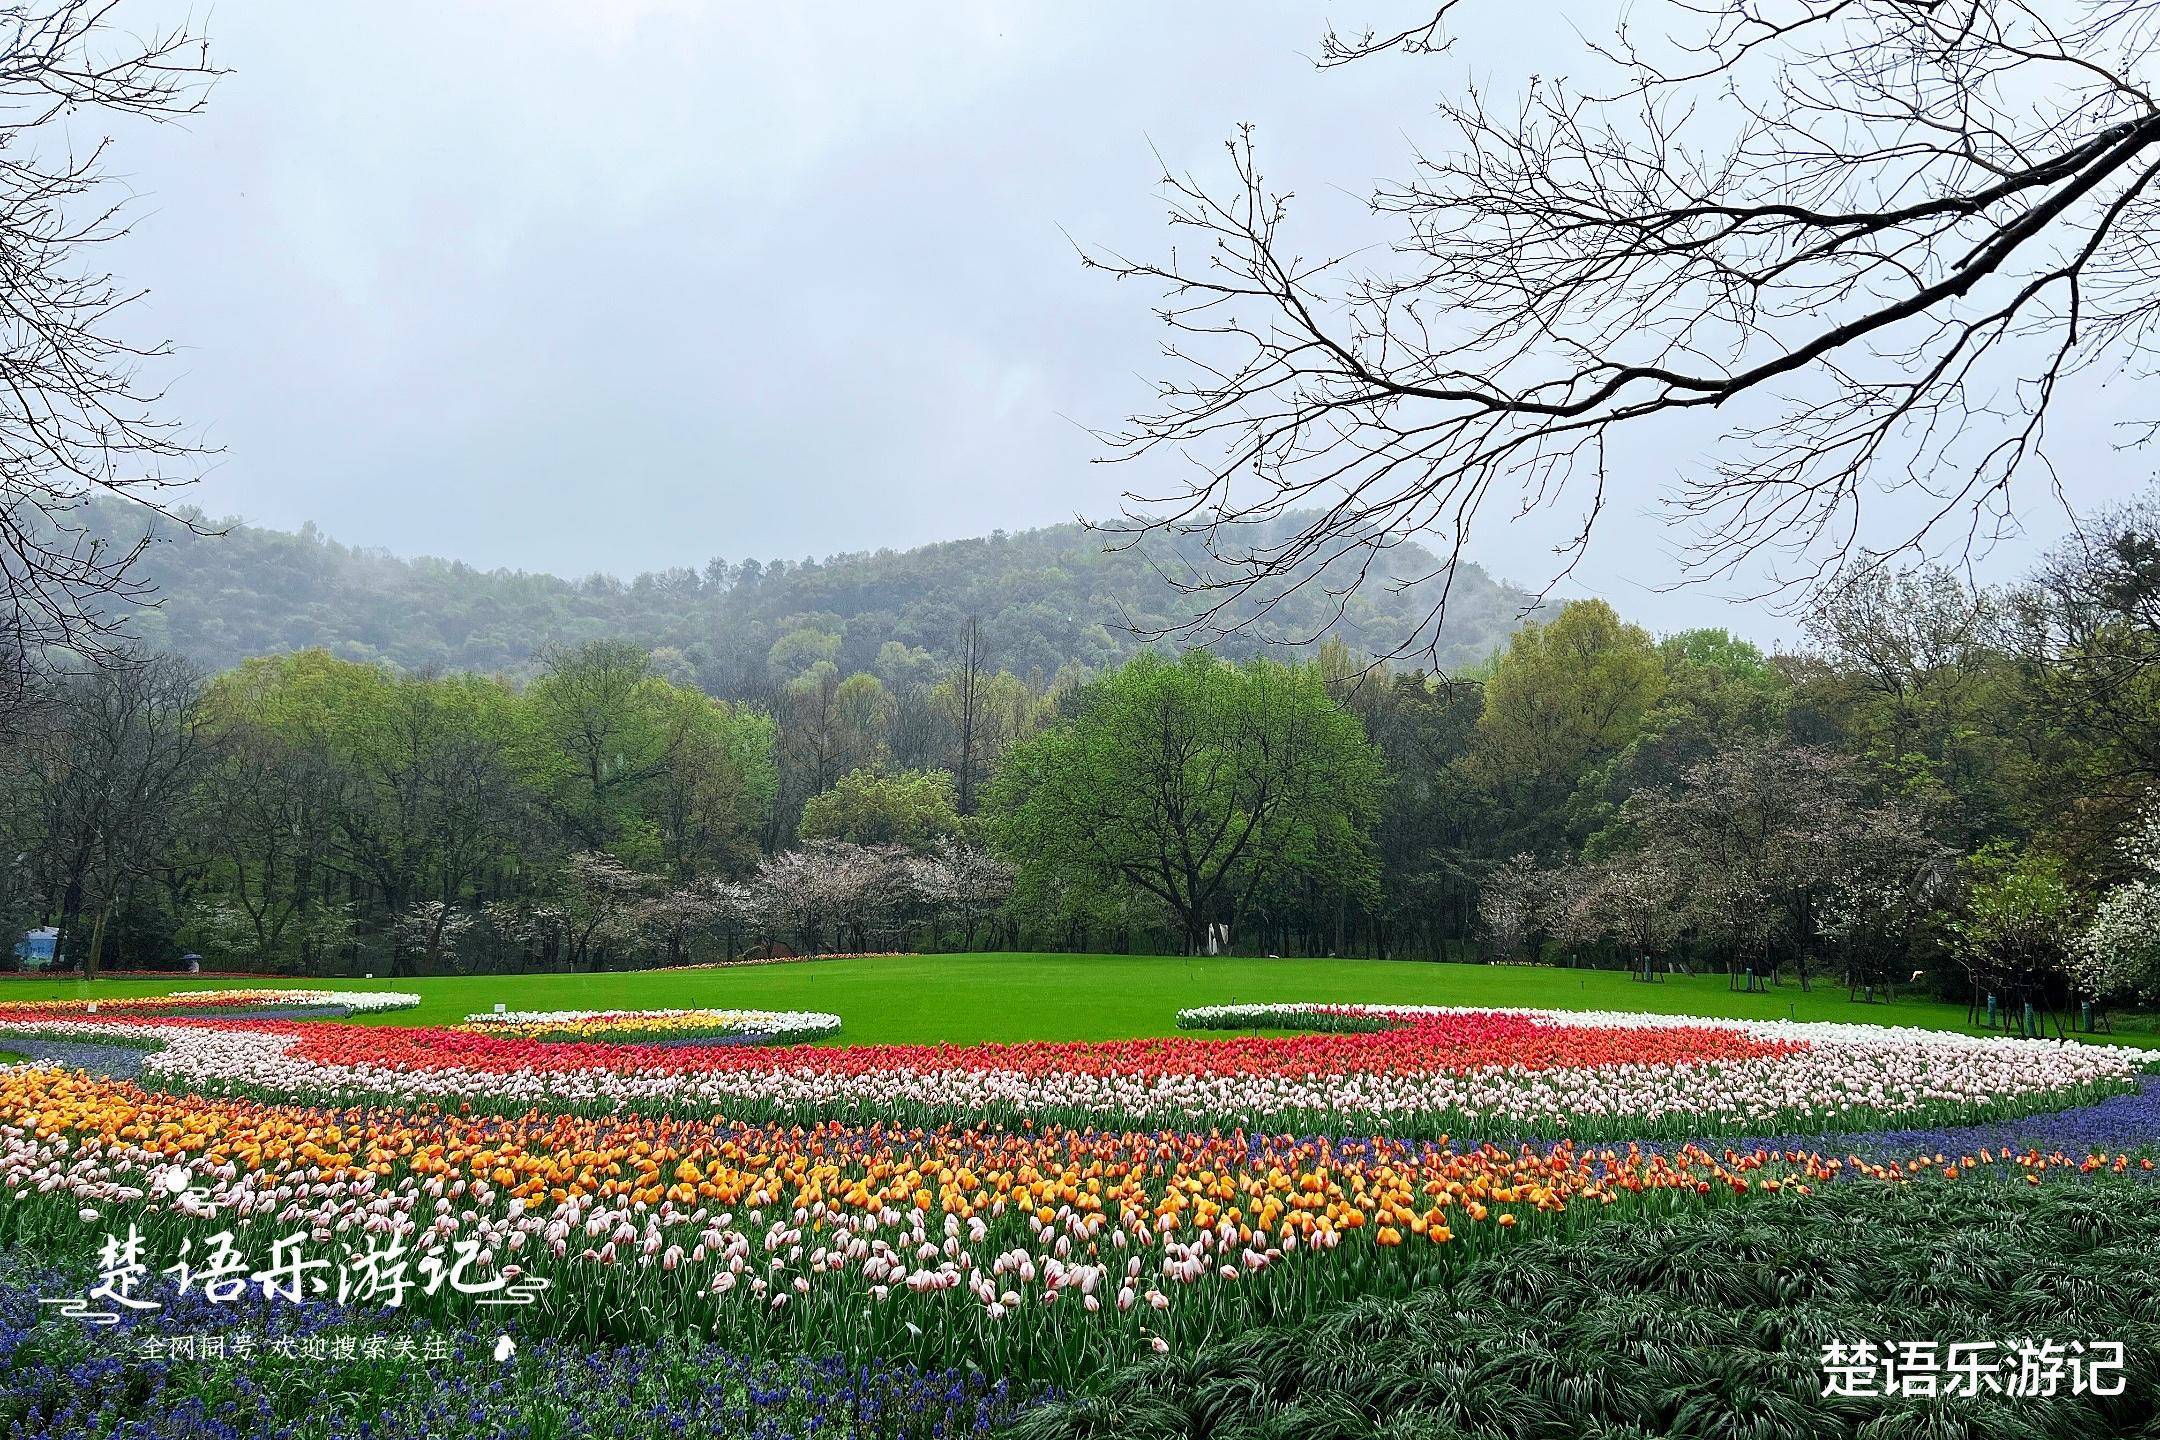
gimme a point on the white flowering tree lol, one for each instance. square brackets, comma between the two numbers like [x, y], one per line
[602, 906]
[427, 931]
[1514, 904]
[1754, 838]
[732, 909]
[961, 882]
[1891, 878]
[871, 890]
[2119, 952]
[830, 886]
[1633, 900]
[232, 935]
[790, 896]
[665, 921]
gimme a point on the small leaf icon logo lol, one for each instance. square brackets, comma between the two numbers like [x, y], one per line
[505, 1348]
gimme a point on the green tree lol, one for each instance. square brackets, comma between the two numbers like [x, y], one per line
[277, 789]
[1718, 689]
[798, 650]
[1198, 782]
[1924, 687]
[862, 717]
[1436, 816]
[401, 787]
[593, 740]
[911, 808]
[716, 784]
[1565, 697]
[1566, 692]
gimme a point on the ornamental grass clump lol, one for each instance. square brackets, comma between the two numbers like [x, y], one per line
[1691, 1325]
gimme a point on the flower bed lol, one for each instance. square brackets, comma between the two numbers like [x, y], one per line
[1032, 1254]
[199, 1002]
[958, 1243]
[154, 1375]
[931, 1204]
[1704, 1325]
[766, 1027]
[1396, 1070]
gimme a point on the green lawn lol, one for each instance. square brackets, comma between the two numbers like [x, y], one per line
[1065, 997]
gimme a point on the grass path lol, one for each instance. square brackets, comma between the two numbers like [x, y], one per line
[961, 998]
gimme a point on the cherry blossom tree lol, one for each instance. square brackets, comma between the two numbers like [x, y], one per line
[1514, 904]
[964, 882]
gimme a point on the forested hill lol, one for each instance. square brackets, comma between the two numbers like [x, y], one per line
[1045, 598]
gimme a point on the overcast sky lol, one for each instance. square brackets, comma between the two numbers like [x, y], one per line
[628, 284]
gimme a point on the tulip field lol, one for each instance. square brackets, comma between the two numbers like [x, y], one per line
[903, 1238]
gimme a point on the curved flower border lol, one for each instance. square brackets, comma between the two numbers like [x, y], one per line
[987, 1243]
[1042, 1245]
[1401, 1070]
[764, 1027]
[190, 1002]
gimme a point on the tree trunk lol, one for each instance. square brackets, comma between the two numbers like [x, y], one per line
[97, 939]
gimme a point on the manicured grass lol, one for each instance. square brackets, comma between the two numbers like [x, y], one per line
[962, 998]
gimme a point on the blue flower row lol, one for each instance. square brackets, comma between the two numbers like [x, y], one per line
[66, 1379]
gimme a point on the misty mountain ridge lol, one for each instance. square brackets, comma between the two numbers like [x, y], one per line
[1047, 599]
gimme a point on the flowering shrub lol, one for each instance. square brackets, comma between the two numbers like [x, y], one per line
[778, 1027]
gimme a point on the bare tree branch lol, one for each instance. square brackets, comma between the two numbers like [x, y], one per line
[78, 421]
[1881, 235]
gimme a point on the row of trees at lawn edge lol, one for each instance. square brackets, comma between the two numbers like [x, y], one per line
[1938, 784]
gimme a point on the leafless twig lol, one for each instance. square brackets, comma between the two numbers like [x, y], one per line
[1881, 235]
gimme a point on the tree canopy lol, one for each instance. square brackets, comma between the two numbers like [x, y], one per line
[1591, 794]
[910, 807]
[1196, 782]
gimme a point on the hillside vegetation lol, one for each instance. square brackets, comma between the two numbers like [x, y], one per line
[1047, 598]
